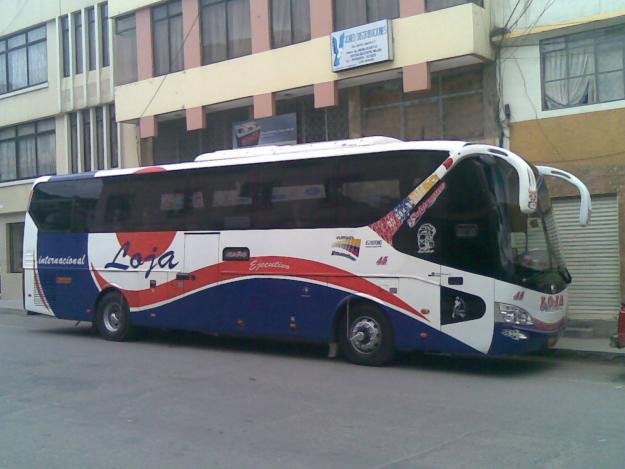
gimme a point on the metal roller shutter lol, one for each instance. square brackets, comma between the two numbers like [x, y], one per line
[592, 256]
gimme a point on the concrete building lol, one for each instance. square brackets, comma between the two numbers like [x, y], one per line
[56, 109]
[181, 73]
[562, 87]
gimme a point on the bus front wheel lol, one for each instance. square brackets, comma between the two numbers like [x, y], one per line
[113, 317]
[366, 336]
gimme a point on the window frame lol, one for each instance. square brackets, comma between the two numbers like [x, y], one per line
[206, 4]
[17, 138]
[4, 56]
[15, 265]
[170, 54]
[367, 15]
[291, 39]
[596, 36]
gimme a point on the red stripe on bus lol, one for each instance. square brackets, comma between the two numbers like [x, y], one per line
[258, 266]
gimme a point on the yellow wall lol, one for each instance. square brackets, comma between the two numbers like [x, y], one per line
[417, 39]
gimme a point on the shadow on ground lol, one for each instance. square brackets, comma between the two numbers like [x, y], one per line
[507, 366]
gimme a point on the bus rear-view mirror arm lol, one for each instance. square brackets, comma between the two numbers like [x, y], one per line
[585, 207]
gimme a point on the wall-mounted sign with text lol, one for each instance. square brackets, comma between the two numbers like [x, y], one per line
[277, 130]
[363, 45]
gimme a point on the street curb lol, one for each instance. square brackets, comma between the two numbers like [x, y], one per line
[604, 355]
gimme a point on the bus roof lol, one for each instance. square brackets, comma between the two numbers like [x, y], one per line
[266, 154]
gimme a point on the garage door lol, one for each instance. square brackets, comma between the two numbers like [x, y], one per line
[592, 256]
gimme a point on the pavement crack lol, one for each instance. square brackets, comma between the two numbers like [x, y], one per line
[429, 450]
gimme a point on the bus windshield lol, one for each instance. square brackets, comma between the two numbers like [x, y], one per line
[529, 246]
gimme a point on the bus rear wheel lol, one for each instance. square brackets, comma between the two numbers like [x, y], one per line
[113, 317]
[366, 336]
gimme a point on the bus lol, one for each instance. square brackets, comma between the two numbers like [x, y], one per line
[370, 245]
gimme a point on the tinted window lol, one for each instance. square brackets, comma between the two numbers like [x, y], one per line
[459, 228]
[346, 191]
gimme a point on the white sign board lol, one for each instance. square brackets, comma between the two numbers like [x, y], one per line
[363, 45]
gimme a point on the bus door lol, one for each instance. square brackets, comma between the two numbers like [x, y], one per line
[469, 254]
[201, 259]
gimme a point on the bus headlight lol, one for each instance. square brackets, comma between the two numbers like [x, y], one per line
[511, 314]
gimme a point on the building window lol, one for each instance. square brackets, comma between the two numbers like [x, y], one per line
[433, 5]
[583, 68]
[317, 125]
[226, 30]
[15, 236]
[73, 124]
[99, 127]
[27, 150]
[104, 26]
[78, 65]
[167, 30]
[23, 60]
[91, 33]
[125, 50]
[290, 22]
[350, 13]
[453, 109]
[65, 40]
[113, 137]
[86, 140]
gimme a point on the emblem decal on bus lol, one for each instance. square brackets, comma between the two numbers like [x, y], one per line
[551, 303]
[425, 238]
[122, 261]
[421, 209]
[346, 246]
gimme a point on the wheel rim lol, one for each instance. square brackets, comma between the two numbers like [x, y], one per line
[112, 317]
[365, 335]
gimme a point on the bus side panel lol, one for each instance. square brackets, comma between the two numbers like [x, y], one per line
[63, 268]
[257, 306]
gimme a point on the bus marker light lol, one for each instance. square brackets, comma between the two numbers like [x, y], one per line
[63, 280]
[448, 163]
[552, 341]
[425, 311]
[423, 335]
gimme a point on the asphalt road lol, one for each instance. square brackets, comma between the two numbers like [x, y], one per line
[69, 399]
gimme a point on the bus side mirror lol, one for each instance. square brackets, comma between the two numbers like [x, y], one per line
[585, 207]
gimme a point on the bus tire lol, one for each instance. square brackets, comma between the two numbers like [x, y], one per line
[113, 317]
[368, 338]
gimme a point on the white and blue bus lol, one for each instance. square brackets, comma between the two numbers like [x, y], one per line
[373, 244]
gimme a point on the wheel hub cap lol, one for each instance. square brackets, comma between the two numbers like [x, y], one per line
[365, 335]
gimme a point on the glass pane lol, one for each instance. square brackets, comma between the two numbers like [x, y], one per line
[378, 95]
[16, 242]
[554, 65]
[16, 41]
[582, 90]
[158, 13]
[18, 76]
[104, 16]
[611, 86]
[239, 30]
[86, 141]
[385, 122]
[301, 20]
[556, 94]
[382, 9]
[281, 22]
[46, 157]
[113, 138]
[8, 170]
[175, 44]
[45, 125]
[126, 57]
[26, 129]
[4, 86]
[74, 142]
[610, 57]
[463, 117]
[422, 121]
[462, 82]
[175, 8]
[91, 30]
[100, 138]
[552, 44]
[161, 48]
[78, 42]
[349, 13]
[3, 46]
[581, 61]
[37, 63]
[7, 133]
[214, 48]
[27, 158]
[35, 34]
